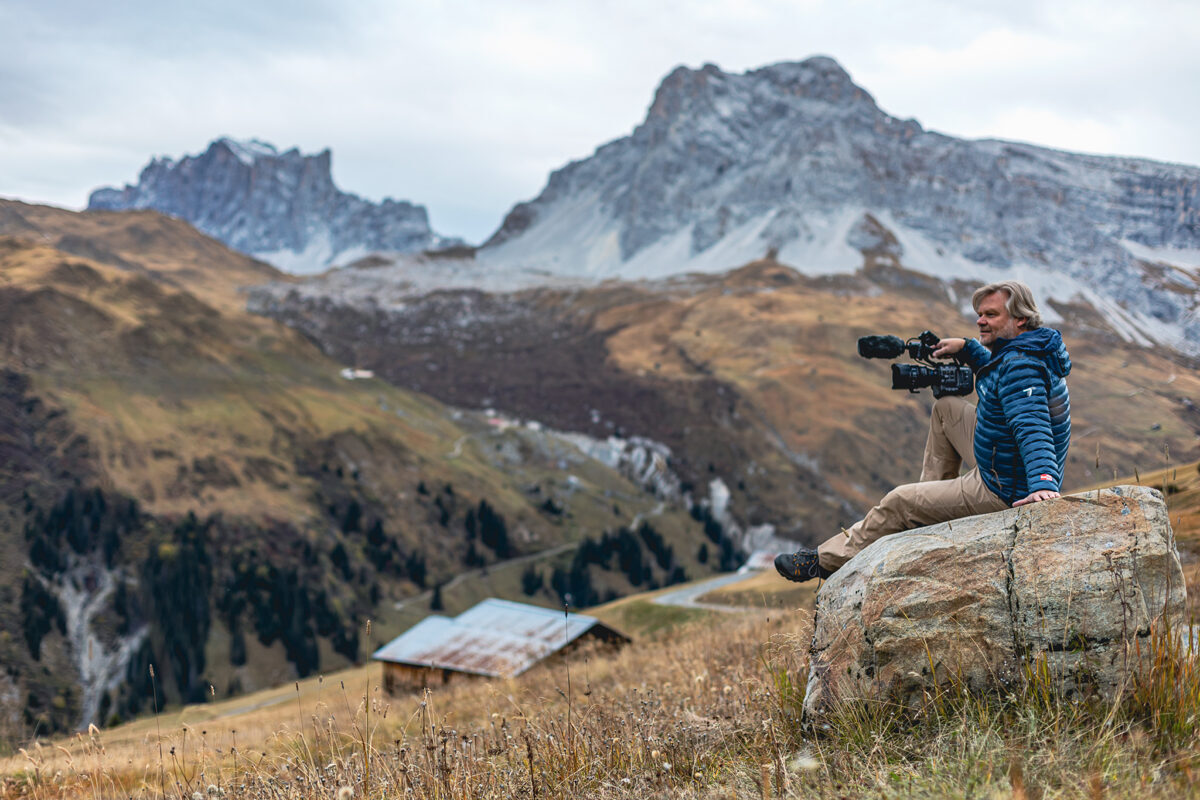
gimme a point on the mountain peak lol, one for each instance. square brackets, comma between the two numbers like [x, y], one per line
[247, 150]
[796, 160]
[280, 207]
[678, 87]
[820, 78]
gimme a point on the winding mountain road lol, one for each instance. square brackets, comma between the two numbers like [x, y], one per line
[686, 597]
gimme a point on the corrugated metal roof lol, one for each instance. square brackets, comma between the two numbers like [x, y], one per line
[494, 638]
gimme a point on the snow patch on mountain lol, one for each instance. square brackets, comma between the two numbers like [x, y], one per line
[318, 254]
[391, 283]
[250, 150]
[826, 244]
[749, 538]
[1185, 257]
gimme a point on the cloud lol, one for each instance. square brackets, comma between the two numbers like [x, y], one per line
[465, 106]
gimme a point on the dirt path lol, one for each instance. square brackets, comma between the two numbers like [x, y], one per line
[686, 597]
[233, 712]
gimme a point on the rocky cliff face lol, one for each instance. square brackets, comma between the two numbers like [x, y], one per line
[795, 159]
[281, 207]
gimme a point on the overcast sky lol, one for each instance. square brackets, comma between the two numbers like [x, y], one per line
[465, 105]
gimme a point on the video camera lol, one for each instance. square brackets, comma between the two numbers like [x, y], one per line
[944, 378]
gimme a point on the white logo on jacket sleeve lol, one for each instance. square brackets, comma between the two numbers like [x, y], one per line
[1029, 392]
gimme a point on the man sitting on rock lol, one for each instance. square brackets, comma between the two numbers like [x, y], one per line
[1015, 454]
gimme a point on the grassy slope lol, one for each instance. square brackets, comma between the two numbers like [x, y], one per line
[794, 366]
[712, 694]
[161, 381]
[166, 250]
[189, 404]
[752, 376]
[787, 344]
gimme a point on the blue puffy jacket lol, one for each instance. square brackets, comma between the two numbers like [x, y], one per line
[1023, 419]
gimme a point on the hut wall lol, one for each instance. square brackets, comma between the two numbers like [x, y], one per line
[406, 678]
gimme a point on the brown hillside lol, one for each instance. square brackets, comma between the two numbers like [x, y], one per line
[162, 248]
[788, 346]
[752, 377]
[207, 478]
[191, 407]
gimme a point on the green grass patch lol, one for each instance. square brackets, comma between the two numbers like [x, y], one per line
[644, 617]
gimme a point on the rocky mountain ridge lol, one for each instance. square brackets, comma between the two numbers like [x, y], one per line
[281, 207]
[795, 161]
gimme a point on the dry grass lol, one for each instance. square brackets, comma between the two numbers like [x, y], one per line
[709, 710]
[703, 705]
[672, 716]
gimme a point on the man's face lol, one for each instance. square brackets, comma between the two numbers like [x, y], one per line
[994, 320]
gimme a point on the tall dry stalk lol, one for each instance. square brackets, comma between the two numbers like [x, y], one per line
[162, 776]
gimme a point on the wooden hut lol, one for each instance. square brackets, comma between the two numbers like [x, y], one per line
[495, 638]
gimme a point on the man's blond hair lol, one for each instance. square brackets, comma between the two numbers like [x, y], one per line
[1020, 301]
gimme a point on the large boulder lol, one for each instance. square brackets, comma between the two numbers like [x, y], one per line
[1072, 583]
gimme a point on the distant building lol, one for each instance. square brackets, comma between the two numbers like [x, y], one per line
[494, 639]
[351, 374]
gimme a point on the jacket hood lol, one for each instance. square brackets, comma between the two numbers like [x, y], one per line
[1043, 343]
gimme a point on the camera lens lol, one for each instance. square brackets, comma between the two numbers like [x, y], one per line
[912, 376]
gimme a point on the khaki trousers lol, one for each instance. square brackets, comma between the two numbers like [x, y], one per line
[942, 495]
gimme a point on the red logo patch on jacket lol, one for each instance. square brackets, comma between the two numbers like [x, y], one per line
[1044, 477]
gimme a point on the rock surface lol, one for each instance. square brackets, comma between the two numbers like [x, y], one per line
[281, 207]
[1075, 581]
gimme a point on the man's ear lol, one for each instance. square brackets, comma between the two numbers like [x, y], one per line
[1021, 323]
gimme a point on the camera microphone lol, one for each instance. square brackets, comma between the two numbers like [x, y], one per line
[881, 347]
